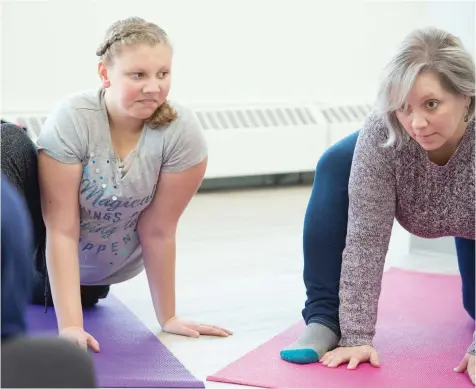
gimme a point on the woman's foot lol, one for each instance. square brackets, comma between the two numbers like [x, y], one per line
[314, 342]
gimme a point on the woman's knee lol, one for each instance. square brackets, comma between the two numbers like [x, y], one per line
[336, 161]
[329, 195]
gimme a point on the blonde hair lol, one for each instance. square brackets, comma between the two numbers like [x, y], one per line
[132, 31]
[423, 50]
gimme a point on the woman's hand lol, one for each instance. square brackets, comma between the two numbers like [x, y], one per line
[352, 355]
[187, 328]
[467, 364]
[80, 337]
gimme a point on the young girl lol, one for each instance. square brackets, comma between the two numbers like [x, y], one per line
[117, 167]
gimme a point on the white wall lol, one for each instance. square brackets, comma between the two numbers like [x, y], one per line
[226, 50]
[232, 50]
[458, 17]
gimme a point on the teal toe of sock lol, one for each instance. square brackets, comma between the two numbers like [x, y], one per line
[301, 356]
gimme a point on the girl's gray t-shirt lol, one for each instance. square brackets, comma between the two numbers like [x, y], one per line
[113, 193]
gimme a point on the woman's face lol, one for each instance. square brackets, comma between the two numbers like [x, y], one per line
[434, 116]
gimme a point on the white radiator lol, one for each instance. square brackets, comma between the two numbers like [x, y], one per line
[259, 139]
[343, 120]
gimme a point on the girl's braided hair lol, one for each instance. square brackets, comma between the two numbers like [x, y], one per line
[130, 31]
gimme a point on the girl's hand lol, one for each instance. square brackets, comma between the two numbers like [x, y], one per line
[187, 328]
[80, 337]
[467, 364]
[352, 355]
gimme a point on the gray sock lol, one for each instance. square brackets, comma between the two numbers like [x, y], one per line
[311, 346]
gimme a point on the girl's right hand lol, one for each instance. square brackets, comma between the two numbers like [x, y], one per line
[352, 355]
[80, 337]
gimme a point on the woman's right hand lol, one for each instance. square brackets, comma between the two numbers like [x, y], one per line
[352, 355]
[80, 337]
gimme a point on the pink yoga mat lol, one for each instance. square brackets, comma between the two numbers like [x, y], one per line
[422, 334]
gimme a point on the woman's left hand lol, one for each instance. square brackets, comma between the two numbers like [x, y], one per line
[187, 328]
[467, 364]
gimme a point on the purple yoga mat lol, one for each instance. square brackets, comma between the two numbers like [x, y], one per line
[130, 356]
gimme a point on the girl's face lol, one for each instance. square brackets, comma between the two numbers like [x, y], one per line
[138, 79]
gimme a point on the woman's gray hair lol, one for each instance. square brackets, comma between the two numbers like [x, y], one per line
[423, 50]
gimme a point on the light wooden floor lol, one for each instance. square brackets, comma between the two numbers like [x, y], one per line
[239, 265]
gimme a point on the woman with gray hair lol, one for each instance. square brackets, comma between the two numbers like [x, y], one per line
[412, 160]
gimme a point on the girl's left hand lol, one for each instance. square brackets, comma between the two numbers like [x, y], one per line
[467, 364]
[187, 328]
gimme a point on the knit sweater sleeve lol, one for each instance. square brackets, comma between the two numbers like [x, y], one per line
[372, 202]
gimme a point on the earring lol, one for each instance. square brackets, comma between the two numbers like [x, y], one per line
[466, 117]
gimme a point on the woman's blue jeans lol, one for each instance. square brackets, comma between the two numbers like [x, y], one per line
[324, 236]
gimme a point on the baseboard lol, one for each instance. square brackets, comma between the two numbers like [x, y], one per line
[258, 181]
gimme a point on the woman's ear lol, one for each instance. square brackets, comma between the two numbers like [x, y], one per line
[102, 72]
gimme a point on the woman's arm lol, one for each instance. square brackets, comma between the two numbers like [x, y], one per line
[157, 227]
[59, 187]
[372, 202]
